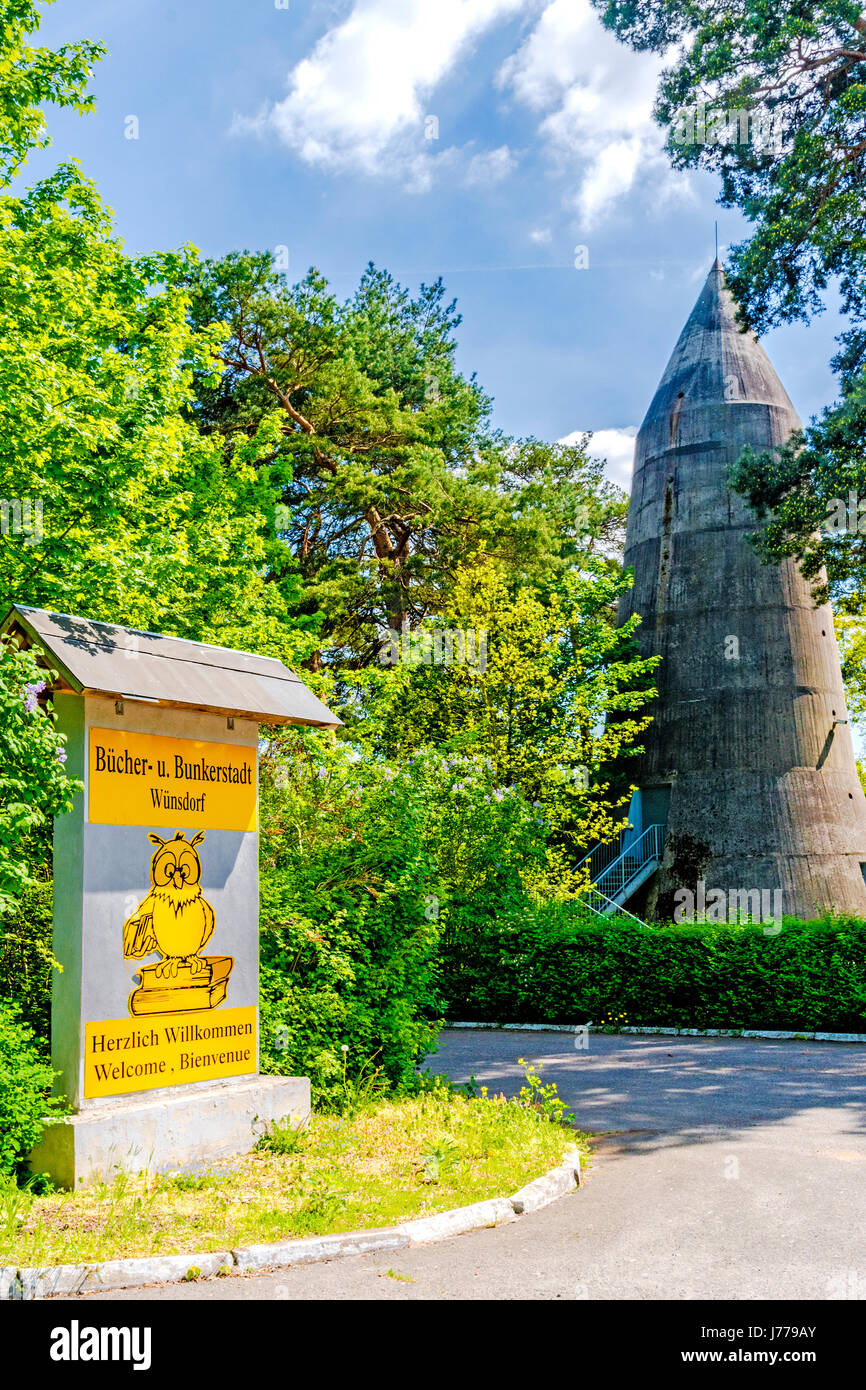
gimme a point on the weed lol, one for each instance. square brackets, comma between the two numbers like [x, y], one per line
[282, 1137]
[441, 1158]
[355, 1093]
[15, 1204]
[191, 1182]
[545, 1100]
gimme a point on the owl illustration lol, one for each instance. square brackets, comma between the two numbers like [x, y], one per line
[174, 918]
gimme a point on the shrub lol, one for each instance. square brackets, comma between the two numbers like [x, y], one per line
[27, 961]
[349, 943]
[33, 784]
[25, 1080]
[546, 966]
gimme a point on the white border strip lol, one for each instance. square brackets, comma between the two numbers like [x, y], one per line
[772, 1035]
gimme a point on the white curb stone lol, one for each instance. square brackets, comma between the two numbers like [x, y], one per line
[44, 1282]
[548, 1188]
[572, 1160]
[157, 1269]
[773, 1035]
[7, 1283]
[459, 1220]
[316, 1248]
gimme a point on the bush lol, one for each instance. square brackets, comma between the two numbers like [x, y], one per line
[546, 966]
[27, 961]
[33, 784]
[349, 940]
[25, 1081]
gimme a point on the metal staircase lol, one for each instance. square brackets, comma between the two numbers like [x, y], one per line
[619, 869]
[600, 906]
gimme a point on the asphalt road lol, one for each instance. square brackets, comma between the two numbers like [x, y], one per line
[729, 1169]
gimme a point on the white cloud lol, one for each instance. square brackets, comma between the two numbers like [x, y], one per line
[364, 98]
[360, 99]
[542, 236]
[616, 446]
[595, 99]
[492, 167]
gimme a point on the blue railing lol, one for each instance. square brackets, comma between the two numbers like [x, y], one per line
[618, 875]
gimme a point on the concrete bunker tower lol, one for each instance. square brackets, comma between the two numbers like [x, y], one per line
[746, 765]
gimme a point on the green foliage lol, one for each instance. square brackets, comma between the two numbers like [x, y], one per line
[27, 961]
[347, 953]
[372, 423]
[487, 842]
[391, 480]
[545, 966]
[16, 1202]
[114, 504]
[25, 1081]
[31, 78]
[441, 1158]
[851, 633]
[559, 697]
[452, 799]
[137, 511]
[33, 784]
[807, 498]
[281, 1137]
[193, 1182]
[361, 1087]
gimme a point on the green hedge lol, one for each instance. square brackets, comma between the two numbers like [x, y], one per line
[339, 971]
[25, 1083]
[550, 968]
[27, 963]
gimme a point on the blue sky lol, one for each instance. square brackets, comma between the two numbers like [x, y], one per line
[309, 124]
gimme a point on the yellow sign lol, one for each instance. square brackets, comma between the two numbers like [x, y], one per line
[146, 779]
[130, 1054]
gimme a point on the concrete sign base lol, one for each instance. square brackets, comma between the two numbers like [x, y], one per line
[183, 1129]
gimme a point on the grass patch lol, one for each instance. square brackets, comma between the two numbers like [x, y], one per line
[391, 1161]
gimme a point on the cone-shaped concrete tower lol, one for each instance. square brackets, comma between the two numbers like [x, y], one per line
[744, 764]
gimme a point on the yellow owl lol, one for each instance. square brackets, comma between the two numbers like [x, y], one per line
[174, 918]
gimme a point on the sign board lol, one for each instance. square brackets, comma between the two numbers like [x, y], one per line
[146, 779]
[155, 1014]
[169, 939]
[122, 1055]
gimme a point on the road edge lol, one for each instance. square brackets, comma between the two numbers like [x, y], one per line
[70, 1280]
